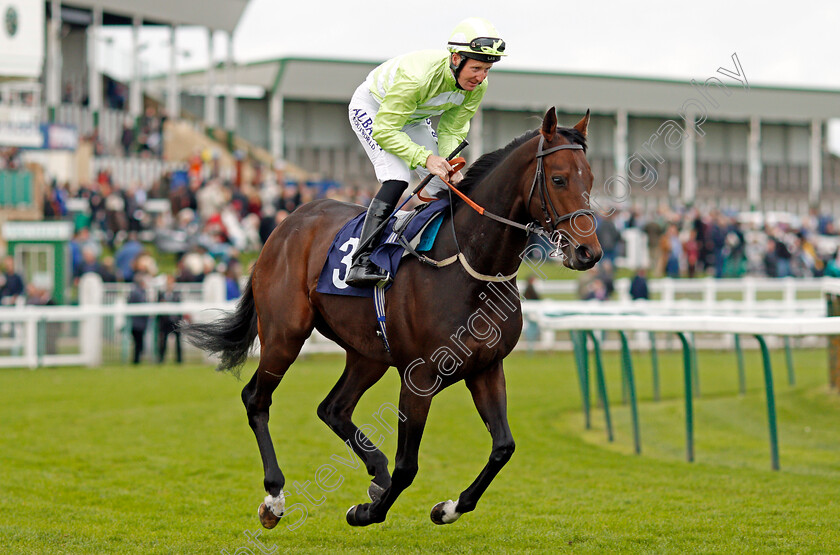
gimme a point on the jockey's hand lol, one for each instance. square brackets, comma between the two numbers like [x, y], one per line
[437, 165]
[456, 177]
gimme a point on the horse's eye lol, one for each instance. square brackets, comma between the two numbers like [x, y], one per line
[559, 180]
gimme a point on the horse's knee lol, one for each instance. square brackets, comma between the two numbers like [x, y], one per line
[502, 453]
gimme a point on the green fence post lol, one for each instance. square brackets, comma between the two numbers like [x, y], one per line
[689, 408]
[625, 396]
[789, 359]
[602, 384]
[627, 370]
[587, 399]
[742, 376]
[695, 369]
[580, 363]
[654, 364]
[771, 403]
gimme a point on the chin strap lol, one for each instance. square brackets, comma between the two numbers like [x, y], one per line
[456, 70]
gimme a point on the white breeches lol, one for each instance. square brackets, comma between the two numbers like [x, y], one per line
[363, 108]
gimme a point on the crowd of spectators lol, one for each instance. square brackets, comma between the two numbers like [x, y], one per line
[208, 222]
[688, 242]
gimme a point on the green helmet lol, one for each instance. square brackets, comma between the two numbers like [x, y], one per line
[477, 38]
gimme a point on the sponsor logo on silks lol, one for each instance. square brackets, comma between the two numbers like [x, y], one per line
[364, 124]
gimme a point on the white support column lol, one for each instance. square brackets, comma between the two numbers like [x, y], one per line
[689, 160]
[94, 75]
[620, 145]
[173, 101]
[210, 112]
[53, 77]
[135, 93]
[754, 164]
[815, 163]
[476, 137]
[230, 93]
[275, 125]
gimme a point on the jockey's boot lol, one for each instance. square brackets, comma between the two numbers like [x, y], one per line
[363, 272]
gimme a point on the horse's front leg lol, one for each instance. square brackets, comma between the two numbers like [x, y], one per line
[488, 391]
[410, 431]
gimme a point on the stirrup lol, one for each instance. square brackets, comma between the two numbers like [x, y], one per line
[364, 273]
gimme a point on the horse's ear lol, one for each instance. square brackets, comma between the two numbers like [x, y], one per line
[549, 124]
[583, 124]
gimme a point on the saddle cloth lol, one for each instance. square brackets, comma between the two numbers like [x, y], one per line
[418, 227]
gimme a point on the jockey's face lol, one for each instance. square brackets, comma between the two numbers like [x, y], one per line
[472, 74]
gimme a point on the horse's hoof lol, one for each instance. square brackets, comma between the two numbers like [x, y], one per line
[268, 519]
[375, 491]
[351, 516]
[445, 513]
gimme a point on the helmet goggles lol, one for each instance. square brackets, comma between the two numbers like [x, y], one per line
[484, 45]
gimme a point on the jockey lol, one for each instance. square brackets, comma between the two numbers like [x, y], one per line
[390, 114]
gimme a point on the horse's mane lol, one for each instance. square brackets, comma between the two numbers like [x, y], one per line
[487, 162]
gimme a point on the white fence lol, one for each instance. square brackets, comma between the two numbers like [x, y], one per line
[710, 290]
[95, 331]
[110, 122]
[129, 171]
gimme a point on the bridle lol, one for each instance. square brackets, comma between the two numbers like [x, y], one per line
[552, 218]
[552, 235]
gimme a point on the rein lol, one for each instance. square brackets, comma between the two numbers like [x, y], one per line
[539, 184]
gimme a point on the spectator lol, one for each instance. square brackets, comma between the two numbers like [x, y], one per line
[12, 286]
[139, 323]
[609, 237]
[126, 255]
[532, 328]
[691, 247]
[89, 263]
[232, 274]
[671, 251]
[595, 291]
[530, 293]
[168, 323]
[639, 285]
[40, 296]
[108, 270]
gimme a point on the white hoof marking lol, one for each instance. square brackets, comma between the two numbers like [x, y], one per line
[277, 505]
[450, 515]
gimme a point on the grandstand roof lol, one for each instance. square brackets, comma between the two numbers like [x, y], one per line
[220, 15]
[333, 80]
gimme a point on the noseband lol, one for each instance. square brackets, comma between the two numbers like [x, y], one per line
[552, 218]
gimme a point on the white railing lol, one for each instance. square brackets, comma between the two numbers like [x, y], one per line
[110, 122]
[128, 171]
[33, 336]
[748, 289]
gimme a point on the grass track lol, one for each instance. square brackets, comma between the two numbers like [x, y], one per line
[161, 460]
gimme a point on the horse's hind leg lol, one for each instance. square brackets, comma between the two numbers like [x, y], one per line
[274, 361]
[488, 391]
[337, 410]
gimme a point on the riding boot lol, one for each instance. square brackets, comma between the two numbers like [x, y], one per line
[363, 272]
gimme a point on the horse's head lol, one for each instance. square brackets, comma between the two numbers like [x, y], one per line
[559, 196]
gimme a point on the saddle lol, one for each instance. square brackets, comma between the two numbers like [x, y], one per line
[406, 233]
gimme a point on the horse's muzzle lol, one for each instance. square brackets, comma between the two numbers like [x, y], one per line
[584, 257]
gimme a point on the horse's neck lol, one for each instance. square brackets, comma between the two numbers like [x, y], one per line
[490, 246]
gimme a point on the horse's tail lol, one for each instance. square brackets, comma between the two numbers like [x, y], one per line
[231, 336]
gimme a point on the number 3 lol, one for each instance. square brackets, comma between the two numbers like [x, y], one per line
[347, 247]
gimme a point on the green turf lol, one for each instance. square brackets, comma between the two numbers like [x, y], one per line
[161, 460]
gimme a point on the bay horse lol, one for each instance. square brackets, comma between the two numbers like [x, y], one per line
[445, 324]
